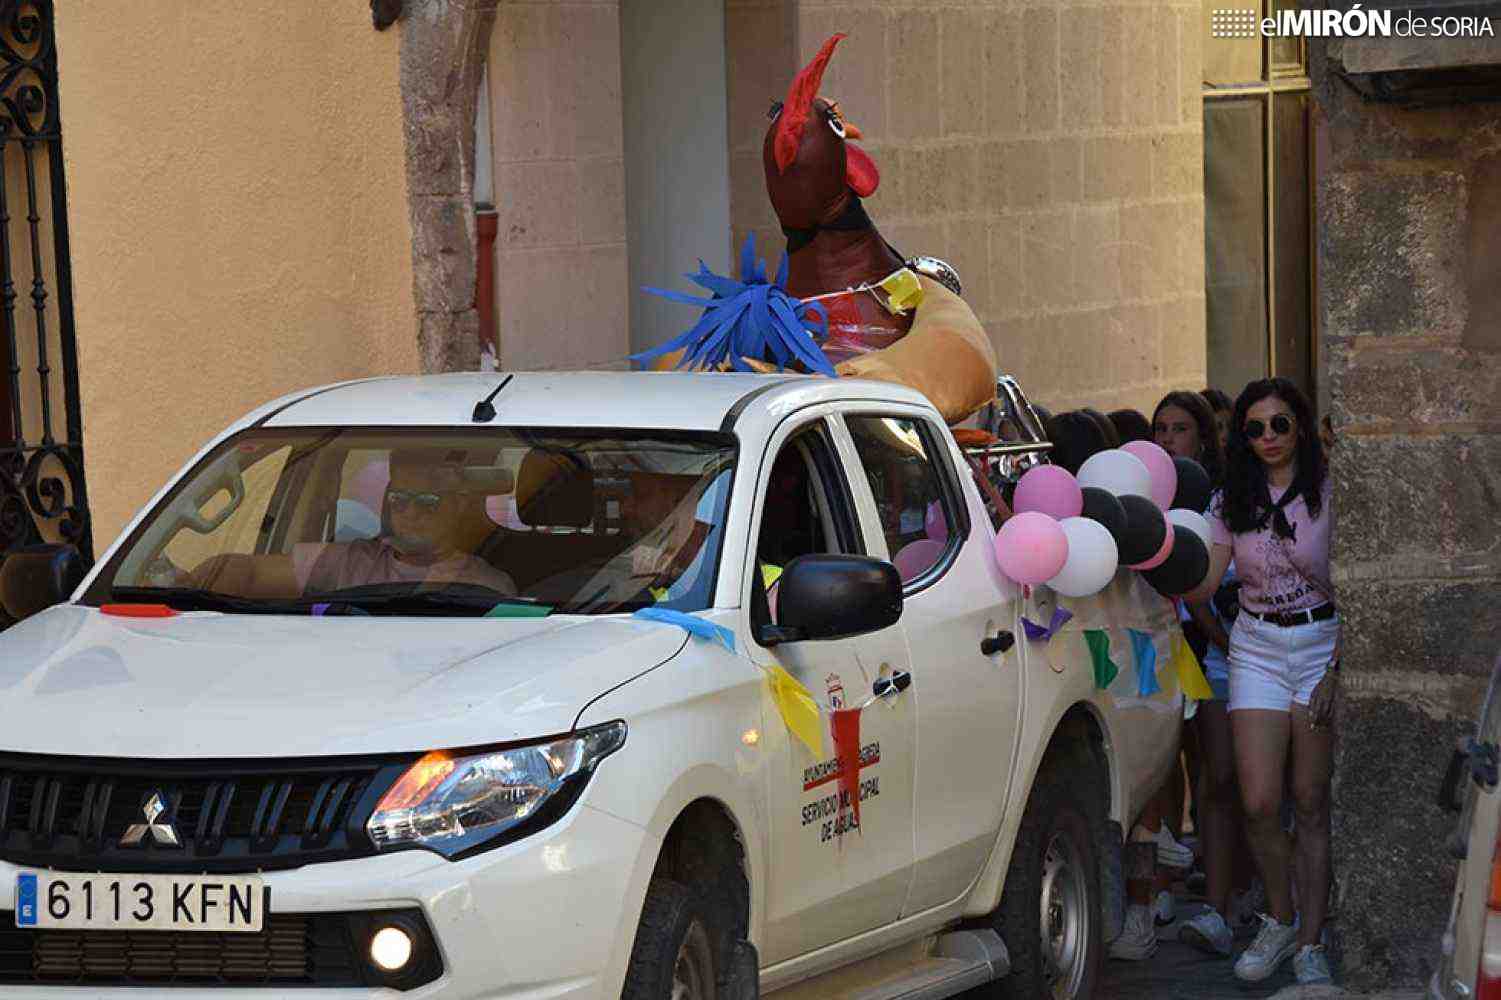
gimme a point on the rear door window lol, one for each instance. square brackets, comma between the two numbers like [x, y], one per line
[918, 506]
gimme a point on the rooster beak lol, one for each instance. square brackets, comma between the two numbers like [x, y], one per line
[852, 131]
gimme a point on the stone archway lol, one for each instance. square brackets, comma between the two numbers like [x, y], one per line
[442, 56]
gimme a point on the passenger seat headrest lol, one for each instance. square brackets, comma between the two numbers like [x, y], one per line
[555, 489]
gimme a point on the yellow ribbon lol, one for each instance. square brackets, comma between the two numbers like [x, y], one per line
[1190, 674]
[799, 711]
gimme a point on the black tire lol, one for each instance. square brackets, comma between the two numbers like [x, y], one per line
[1065, 813]
[674, 943]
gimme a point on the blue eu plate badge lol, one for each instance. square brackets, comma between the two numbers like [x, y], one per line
[26, 900]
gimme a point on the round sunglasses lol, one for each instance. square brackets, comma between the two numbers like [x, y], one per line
[1281, 424]
[422, 500]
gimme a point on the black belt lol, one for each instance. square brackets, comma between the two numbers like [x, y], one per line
[1287, 619]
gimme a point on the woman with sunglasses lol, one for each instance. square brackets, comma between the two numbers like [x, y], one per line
[1273, 518]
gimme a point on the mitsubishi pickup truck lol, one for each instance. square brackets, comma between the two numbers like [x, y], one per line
[500, 685]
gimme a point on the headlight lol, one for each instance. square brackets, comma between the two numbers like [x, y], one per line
[460, 802]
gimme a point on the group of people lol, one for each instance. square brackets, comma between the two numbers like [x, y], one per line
[1257, 757]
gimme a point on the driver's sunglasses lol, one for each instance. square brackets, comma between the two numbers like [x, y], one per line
[423, 501]
[1281, 424]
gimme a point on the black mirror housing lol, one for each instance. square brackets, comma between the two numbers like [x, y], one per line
[837, 596]
[35, 577]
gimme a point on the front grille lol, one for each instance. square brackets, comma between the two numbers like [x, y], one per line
[294, 950]
[73, 814]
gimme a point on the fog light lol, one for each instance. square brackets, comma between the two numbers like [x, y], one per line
[391, 949]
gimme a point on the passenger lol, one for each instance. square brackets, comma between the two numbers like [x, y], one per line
[1184, 426]
[1131, 425]
[1273, 518]
[430, 516]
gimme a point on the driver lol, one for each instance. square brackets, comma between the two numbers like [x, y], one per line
[430, 516]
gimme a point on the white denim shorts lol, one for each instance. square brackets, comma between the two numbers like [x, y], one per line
[1272, 666]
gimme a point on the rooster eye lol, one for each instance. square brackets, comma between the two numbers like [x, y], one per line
[836, 125]
[775, 110]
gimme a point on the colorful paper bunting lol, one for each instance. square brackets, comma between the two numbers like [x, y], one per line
[1039, 633]
[694, 625]
[1105, 669]
[798, 709]
[1190, 674]
[1146, 662]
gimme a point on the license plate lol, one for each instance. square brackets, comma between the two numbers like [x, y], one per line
[140, 902]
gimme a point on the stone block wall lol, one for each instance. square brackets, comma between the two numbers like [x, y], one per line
[561, 267]
[1053, 153]
[1409, 208]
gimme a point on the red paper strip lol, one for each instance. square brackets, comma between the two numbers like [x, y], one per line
[846, 726]
[138, 610]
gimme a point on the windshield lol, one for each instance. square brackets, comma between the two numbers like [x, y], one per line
[498, 522]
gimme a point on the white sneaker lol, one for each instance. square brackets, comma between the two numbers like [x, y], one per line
[1274, 944]
[1164, 908]
[1311, 965]
[1208, 932]
[1138, 940]
[1170, 853]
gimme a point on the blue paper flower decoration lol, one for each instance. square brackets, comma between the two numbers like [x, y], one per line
[748, 318]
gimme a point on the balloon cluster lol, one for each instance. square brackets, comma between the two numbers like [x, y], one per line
[1135, 506]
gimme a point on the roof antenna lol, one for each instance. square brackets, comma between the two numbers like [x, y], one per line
[484, 410]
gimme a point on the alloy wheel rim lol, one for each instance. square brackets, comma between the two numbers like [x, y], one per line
[1065, 917]
[693, 969]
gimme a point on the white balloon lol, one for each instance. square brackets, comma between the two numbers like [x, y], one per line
[1118, 471]
[1193, 521]
[1092, 558]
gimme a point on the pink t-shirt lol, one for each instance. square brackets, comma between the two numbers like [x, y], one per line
[1280, 574]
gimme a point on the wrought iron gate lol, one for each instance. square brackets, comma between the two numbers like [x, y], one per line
[42, 496]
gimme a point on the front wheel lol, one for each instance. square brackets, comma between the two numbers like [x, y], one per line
[674, 954]
[1050, 915]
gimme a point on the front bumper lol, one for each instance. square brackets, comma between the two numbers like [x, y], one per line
[551, 917]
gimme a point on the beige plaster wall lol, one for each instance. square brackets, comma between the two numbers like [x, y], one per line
[1051, 152]
[238, 209]
[558, 144]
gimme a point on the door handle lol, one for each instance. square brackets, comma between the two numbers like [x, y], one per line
[893, 685]
[998, 643]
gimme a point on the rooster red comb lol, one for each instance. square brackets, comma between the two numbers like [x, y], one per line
[799, 104]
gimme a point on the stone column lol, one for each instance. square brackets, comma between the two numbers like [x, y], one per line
[1409, 229]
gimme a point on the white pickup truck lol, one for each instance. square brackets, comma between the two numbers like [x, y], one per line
[461, 686]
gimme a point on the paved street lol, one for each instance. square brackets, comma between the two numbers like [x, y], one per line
[1178, 972]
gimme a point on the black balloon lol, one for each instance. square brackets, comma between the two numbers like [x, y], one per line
[1102, 506]
[1185, 567]
[1146, 530]
[1193, 486]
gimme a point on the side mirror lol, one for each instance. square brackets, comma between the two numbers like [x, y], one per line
[834, 597]
[35, 577]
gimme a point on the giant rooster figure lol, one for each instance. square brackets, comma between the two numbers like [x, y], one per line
[841, 280]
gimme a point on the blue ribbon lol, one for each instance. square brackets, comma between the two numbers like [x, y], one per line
[694, 625]
[1146, 662]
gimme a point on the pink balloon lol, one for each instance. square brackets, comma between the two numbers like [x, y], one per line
[935, 525]
[916, 558]
[1162, 553]
[1160, 467]
[1031, 547]
[1050, 490]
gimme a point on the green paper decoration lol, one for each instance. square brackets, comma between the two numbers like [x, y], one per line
[1099, 652]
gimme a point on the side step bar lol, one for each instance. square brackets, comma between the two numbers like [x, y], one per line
[956, 961]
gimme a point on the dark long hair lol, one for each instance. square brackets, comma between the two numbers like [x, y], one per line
[1075, 437]
[1131, 425]
[1107, 429]
[1248, 499]
[1210, 456]
[1217, 400]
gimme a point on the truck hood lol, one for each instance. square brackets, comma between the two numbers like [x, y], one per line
[74, 681]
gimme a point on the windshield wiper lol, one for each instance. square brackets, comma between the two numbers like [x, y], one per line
[190, 599]
[458, 597]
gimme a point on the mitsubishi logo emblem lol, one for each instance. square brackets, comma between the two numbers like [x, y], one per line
[162, 833]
